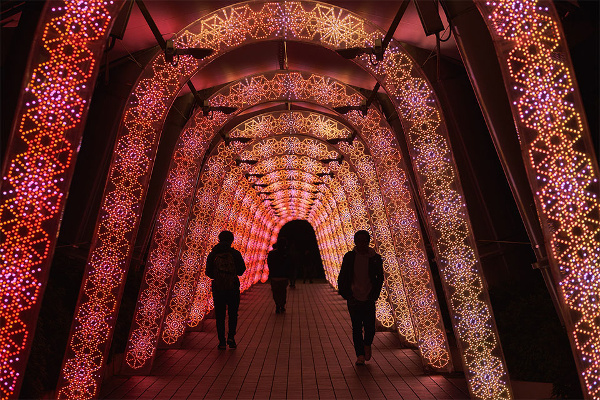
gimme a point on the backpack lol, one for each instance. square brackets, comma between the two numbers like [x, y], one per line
[225, 273]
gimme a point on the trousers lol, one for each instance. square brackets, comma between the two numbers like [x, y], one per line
[226, 302]
[362, 315]
[279, 289]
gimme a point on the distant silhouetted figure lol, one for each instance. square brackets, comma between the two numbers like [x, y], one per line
[223, 265]
[294, 257]
[279, 271]
[310, 265]
[359, 282]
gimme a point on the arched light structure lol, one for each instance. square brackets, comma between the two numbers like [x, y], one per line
[304, 168]
[70, 41]
[406, 229]
[39, 163]
[415, 101]
[559, 157]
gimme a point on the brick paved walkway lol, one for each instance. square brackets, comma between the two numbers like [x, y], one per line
[305, 353]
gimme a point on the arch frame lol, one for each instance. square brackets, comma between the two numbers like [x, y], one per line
[560, 161]
[262, 81]
[63, 173]
[415, 101]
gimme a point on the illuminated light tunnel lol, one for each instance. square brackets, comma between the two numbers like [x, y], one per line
[302, 125]
[554, 137]
[287, 86]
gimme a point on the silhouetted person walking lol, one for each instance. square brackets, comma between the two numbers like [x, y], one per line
[223, 265]
[359, 282]
[310, 265]
[279, 271]
[295, 255]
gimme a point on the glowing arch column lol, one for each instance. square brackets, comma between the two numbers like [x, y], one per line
[39, 165]
[333, 233]
[559, 158]
[163, 253]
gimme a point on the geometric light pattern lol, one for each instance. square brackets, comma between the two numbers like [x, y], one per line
[39, 164]
[453, 241]
[203, 124]
[253, 230]
[216, 181]
[330, 27]
[91, 25]
[187, 281]
[164, 250]
[560, 161]
[243, 220]
[432, 339]
[413, 272]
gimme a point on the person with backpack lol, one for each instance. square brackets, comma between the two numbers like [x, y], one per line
[359, 282]
[223, 265]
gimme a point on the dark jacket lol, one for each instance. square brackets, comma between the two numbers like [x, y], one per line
[347, 274]
[240, 266]
[278, 262]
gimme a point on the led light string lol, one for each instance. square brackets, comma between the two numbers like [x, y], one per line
[163, 252]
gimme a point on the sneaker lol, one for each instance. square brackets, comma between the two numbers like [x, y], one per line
[360, 360]
[222, 346]
[282, 309]
[277, 310]
[231, 342]
[367, 352]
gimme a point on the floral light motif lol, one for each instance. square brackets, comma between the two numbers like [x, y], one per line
[203, 124]
[206, 224]
[560, 160]
[39, 165]
[296, 122]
